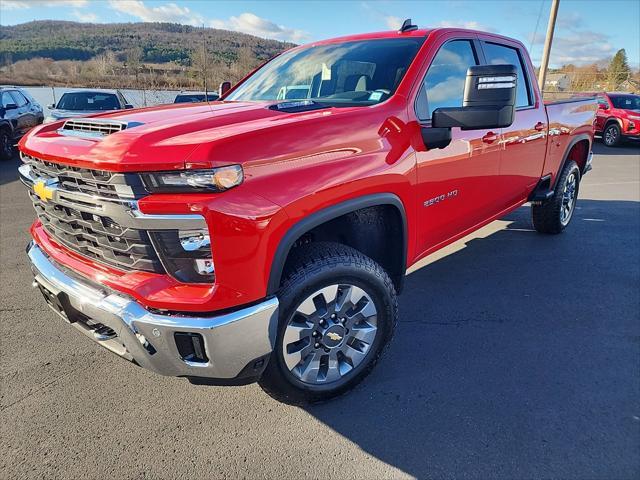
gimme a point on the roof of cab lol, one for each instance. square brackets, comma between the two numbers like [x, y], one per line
[374, 36]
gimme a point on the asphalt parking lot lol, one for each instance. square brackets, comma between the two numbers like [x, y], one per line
[517, 356]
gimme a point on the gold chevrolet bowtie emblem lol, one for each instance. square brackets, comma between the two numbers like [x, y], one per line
[334, 336]
[42, 190]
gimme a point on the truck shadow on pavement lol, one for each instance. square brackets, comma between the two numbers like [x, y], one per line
[515, 357]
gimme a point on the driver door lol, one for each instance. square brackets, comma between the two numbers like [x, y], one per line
[456, 184]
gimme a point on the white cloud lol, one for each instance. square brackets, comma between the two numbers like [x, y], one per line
[570, 21]
[87, 17]
[471, 25]
[260, 27]
[26, 4]
[168, 12]
[394, 23]
[578, 47]
[172, 12]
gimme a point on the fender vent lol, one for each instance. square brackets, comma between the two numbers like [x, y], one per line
[91, 127]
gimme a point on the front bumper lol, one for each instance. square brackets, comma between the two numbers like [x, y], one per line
[236, 343]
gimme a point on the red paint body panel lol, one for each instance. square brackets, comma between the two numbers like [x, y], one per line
[299, 163]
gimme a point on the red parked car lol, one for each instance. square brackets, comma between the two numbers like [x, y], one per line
[618, 117]
[262, 238]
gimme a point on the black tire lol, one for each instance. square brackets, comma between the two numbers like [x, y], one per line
[6, 146]
[549, 216]
[611, 136]
[313, 267]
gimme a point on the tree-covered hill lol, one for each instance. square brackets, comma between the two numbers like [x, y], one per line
[155, 42]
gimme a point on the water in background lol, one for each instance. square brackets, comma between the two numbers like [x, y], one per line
[138, 98]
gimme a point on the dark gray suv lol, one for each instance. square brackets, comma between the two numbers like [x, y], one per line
[19, 113]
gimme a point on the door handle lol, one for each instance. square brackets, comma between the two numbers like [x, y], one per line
[490, 137]
[539, 126]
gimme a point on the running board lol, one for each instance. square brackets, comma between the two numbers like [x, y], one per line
[543, 191]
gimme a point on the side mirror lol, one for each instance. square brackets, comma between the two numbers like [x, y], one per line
[489, 100]
[10, 106]
[224, 88]
[51, 106]
[603, 106]
[128, 105]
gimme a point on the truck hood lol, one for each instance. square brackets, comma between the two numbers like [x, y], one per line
[159, 138]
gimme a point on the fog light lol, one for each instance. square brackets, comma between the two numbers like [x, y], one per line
[191, 347]
[185, 254]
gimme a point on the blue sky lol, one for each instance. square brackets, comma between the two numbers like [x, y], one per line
[587, 30]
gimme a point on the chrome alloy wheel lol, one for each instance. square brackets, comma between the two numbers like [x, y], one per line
[569, 193]
[330, 334]
[611, 135]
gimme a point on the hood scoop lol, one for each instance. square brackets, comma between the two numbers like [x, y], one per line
[93, 127]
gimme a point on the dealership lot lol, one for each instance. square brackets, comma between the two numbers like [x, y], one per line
[517, 356]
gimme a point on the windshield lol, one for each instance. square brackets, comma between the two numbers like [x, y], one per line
[88, 101]
[627, 102]
[352, 73]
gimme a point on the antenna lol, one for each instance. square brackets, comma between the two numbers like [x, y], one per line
[407, 26]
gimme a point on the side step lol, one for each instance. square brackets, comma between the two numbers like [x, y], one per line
[543, 191]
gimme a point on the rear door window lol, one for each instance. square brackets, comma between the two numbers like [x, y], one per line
[443, 84]
[503, 55]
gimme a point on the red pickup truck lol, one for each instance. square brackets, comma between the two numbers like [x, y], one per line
[265, 236]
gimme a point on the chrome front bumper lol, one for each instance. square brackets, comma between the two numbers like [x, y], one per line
[233, 341]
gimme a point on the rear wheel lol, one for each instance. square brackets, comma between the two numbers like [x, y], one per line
[338, 311]
[554, 215]
[611, 135]
[6, 146]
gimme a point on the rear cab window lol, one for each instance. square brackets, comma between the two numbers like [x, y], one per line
[499, 54]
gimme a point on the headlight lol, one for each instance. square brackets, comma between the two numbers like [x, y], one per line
[185, 254]
[214, 180]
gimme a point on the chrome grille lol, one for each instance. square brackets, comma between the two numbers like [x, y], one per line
[97, 237]
[92, 126]
[93, 182]
[79, 216]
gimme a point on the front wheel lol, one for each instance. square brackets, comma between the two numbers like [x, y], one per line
[6, 146]
[554, 215]
[611, 135]
[338, 311]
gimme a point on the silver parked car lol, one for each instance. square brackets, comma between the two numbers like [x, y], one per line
[79, 103]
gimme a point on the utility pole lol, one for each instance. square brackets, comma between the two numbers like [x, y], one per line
[547, 44]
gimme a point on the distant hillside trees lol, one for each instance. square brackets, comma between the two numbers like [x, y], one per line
[128, 55]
